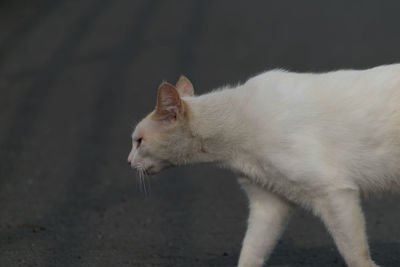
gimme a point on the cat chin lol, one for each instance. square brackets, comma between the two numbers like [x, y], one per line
[150, 170]
[153, 170]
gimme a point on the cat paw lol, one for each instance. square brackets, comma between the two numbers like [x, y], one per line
[371, 264]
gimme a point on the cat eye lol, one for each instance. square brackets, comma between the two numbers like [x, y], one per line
[138, 141]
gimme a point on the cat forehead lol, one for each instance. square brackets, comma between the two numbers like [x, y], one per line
[145, 127]
[139, 130]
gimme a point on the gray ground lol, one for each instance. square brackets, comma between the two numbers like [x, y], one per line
[75, 76]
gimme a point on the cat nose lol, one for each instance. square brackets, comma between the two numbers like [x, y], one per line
[129, 161]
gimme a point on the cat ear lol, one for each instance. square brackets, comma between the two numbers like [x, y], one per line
[184, 87]
[169, 104]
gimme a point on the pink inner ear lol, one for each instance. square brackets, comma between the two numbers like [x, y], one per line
[169, 104]
[184, 87]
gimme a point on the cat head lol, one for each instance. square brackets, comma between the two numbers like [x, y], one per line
[163, 138]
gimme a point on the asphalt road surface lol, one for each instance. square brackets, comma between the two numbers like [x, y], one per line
[75, 77]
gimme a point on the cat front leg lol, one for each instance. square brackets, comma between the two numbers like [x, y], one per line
[268, 217]
[341, 213]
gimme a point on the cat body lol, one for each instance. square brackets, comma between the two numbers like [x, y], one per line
[317, 141]
[319, 131]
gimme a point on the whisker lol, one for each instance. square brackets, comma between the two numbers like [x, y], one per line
[144, 185]
[149, 185]
[142, 182]
[137, 182]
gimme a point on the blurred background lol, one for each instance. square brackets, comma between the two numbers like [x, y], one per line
[76, 76]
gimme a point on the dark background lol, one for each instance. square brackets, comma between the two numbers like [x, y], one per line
[75, 77]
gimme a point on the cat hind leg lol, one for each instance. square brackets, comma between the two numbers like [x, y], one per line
[342, 215]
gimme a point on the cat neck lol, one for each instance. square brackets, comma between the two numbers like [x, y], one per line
[218, 121]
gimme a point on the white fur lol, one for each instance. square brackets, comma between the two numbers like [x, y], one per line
[314, 140]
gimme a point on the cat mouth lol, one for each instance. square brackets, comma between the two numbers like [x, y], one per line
[150, 170]
[144, 170]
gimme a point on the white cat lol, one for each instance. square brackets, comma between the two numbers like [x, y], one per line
[318, 141]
